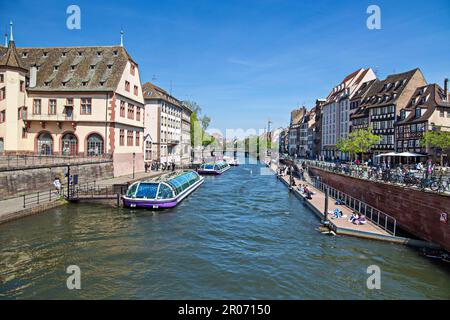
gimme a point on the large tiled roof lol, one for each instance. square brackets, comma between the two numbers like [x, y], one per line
[98, 68]
[387, 91]
[153, 92]
[427, 97]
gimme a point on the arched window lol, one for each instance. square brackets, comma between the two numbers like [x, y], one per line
[69, 145]
[45, 144]
[94, 145]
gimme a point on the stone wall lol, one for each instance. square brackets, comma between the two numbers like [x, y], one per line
[416, 211]
[18, 182]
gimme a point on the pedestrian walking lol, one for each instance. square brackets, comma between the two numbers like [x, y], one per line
[57, 184]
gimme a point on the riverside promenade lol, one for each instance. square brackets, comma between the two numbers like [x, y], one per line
[342, 226]
[14, 208]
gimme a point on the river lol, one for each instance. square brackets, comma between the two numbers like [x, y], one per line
[239, 236]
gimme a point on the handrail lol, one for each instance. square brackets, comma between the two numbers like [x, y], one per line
[378, 217]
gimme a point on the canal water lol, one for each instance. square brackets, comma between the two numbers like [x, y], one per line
[239, 236]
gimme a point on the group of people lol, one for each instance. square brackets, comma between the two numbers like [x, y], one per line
[355, 218]
[157, 165]
[303, 188]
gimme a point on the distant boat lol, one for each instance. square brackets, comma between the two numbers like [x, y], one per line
[215, 168]
[165, 191]
[231, 161]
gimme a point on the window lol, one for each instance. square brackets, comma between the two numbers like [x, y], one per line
[22, 86]
[127, 86]
[52, 106]
[122, 137]
[122, 109]
[418, 112]
[129, 138]
[69, 145]
[441, 113]
[45, 144]
[86, 105]
[37, 106]
[24, 54]
[135, 90]
[2, 93]
[138, 114]
[22, 113]
[55, 68]
[2, 78]
[130, 111]
[2, 116]
[137, 138]
[94, 145]
[133, 69]
[24, 133]
[69, 102]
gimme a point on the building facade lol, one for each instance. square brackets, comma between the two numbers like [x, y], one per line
[428, 109]
[294, 131]
[169, 123]
[380, 108]
[72, 101]
[336, 112]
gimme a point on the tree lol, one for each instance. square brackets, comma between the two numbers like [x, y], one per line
[358, 142]
[437, 139]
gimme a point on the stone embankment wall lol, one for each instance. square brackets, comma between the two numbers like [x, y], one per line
[416, 211]
[18, 182]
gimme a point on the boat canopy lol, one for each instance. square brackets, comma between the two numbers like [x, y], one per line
[215, 166]
[167, 186]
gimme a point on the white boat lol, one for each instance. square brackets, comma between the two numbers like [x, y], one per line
[231, 161]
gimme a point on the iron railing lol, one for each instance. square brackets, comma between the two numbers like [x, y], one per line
[381, 219]
[13, 162]
[41, 197]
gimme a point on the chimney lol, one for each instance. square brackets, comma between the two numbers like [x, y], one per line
[446, 89]
[33, 76]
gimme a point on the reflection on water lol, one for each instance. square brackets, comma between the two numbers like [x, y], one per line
[239, 236]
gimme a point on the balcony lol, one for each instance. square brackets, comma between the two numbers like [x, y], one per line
[172, 142]
[51, 117]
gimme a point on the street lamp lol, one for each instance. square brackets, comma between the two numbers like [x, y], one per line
[134, 161]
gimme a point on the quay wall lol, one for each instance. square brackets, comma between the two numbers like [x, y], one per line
[17, 182]
[416, 211]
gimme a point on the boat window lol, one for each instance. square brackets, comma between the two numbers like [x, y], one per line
[165, 192]
[209, 167]
[147, 190]
[132, 190]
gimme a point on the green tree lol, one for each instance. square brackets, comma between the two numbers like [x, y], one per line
[438, 139]
[358, 142]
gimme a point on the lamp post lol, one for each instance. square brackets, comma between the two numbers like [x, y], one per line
[134, 161]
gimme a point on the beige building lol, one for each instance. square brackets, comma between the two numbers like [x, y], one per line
[169, 126]
[72, 101]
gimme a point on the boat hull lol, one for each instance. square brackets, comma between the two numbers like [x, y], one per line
[159, 204]
[213, 172]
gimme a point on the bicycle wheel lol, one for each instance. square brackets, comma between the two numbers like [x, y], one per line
[434, 186]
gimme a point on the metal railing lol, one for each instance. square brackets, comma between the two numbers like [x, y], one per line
[41, 197]
[12, 162]
[381, 219]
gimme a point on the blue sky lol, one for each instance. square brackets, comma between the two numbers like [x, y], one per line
[249, 60]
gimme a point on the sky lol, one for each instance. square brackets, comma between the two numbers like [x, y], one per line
[248, 61]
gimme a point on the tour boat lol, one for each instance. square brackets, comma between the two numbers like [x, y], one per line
[165, 191]
[214, 168]
[231, 161]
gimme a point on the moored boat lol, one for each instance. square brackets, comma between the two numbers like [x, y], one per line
[215, 168]
[165, 191]
[231, 161]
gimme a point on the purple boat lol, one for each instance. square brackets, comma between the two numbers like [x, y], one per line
[163, 192]
[215, 168]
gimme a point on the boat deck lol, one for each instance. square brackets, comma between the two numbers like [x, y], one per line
[341, 226]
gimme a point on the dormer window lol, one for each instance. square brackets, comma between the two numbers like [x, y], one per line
[418, 112]
[55, 68]
[84, 83]
[80, 53]
[115, 53]
[63, 54]
[64, 83]
[24, 54]
[110, 66]
[45, 54]
[46, 83]
[72, 68]
[92, 67]
[403, 114]
[102, 83]
[99, 53]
